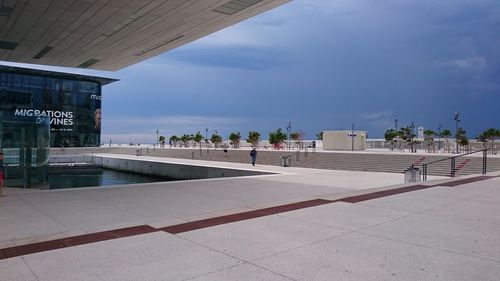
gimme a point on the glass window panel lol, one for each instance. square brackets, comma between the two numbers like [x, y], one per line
[16, 80]
[4, 79]
[67, 86]
[36, 82]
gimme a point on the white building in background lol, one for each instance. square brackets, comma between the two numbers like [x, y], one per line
[344, 140]
[420, 133]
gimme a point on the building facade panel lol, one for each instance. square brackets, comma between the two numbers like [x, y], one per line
[72, 105]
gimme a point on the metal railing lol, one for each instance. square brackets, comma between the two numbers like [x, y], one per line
[453, 167]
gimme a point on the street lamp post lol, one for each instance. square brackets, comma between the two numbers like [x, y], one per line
[412, 134]
[352, 137]
[288, 128]
[157, 140]
[206, 138]
[457, 122]
[439, 142]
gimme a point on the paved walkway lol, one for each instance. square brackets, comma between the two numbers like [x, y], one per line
[304, 224]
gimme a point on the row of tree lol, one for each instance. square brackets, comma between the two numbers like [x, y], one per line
[406, 138]
[276, 139]
[489, 135]
[398, 139]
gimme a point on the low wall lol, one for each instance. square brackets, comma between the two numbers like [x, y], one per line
[175, 171]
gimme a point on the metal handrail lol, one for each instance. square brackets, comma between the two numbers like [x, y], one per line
[453, 162]
[456, 156]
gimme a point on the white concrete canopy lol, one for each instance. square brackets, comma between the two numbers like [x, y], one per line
[111, 34]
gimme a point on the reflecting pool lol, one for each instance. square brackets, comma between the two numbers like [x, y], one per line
[100, 177]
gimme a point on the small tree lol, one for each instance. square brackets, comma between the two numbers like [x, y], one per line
[429, 140]
[185, 139]
[482, 138]
[446, 134]
[235, 139]
[319, 136]
[464, 143]
[161, 140]
[498, 137]
[391, 136]
[408, 136]
[174, 139]
[253, 138]
[216, 140]
[491, 135]
[277, 138]
[198, 138]
[298, 137]
[461, 138]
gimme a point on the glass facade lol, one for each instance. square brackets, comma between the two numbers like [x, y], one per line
[25, 145]
[40, 109]
[72, 106]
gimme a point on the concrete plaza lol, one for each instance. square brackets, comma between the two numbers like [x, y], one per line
[298, 224]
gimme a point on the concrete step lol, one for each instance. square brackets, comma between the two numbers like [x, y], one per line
[379, 162]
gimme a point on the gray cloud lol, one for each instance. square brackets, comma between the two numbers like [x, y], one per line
[323, 64]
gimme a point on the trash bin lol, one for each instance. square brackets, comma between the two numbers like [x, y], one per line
[412, 174]
[285, 160]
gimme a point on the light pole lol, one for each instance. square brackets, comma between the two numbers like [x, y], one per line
[412, 134]
[157, 131]
[396, 124]
[439, 142]
[288, 128]
[206, 138]
[352, 137]
[457, 122]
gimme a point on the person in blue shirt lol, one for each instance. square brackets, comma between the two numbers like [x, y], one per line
[253, 155]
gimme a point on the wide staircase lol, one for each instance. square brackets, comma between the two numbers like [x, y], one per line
[396, 163]
[389, 162]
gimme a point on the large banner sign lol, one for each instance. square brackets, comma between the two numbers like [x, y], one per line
[57, 118]
[76, 122]
[72, 107]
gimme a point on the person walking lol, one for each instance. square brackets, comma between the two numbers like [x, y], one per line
[253, 155]
[2, 174]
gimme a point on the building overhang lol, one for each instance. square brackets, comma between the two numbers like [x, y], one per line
[112, 34]
[40, 71]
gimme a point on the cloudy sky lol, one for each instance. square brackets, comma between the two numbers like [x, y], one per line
[322, 65]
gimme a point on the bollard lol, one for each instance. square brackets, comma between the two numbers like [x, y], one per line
[412, 174]
[283, 161]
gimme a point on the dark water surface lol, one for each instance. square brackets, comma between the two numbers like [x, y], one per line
[101, 178]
